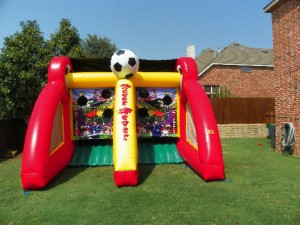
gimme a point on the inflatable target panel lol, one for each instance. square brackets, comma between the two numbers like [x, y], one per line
[157, 114]
[97, 105]
[92, 112]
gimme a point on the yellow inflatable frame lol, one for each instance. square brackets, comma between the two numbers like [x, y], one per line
[125, 152]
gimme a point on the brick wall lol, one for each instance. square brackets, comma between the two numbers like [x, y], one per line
[258, 130]
[257, 83]
[286, 35]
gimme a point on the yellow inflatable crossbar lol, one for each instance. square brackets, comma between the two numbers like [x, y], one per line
[108, 79]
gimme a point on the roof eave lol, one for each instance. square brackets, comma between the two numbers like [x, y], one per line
[231, 64]
[270, 7]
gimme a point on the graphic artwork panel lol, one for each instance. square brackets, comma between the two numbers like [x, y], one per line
[156, 112]
[92, 111]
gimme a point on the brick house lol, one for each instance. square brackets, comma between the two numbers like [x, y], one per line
[244, 71]
[286, 43]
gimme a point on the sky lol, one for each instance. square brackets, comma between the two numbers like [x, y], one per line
[153, 29]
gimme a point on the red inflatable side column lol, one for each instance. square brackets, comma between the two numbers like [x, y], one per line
[48, 147]
[204, 153]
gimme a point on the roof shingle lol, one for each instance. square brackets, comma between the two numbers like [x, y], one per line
[235, 54]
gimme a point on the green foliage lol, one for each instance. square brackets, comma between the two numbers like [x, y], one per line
[98, 47]
[221, 92]
[23, 66]
[65, 41]
[24, 59]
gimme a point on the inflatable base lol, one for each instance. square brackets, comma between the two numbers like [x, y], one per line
[150, 151]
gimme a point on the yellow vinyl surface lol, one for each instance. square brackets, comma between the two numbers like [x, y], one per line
[125, 152]
[108, 79]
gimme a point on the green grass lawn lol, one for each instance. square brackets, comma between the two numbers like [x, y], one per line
[265, 189]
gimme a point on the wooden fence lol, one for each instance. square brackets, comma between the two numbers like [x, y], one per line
[244, 110]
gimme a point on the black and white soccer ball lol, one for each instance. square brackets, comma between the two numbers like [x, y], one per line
[124, 63]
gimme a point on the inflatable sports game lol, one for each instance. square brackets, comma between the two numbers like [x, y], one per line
[129, 111]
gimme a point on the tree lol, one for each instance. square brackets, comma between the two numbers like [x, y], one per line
[98, 47]
[24, 59]
[65, 41]
[23, 66]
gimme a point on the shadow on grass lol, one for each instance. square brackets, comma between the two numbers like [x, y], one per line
[146, 159]
[64, 176]
[70, 172]
[150, 153]
[4, 159]
[144, 172]
[8, 155]
[86, 154]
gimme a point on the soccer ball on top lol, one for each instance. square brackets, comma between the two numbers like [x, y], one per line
[124, 63]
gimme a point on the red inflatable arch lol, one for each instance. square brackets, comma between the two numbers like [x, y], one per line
[49, 142]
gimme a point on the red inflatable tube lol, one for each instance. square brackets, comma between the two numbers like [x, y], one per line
[126, 178]
[40, 164]
[206, 159]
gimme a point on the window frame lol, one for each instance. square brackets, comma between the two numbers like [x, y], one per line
[212, 88]
[246, 69]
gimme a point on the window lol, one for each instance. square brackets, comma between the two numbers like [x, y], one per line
[211, 89]
[246, 69]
